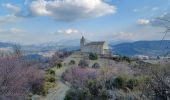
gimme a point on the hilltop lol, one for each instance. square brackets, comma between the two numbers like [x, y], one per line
[150, 48]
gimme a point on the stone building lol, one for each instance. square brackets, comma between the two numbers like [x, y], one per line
[99, 47]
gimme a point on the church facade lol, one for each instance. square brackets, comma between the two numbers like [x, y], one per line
[99, 47]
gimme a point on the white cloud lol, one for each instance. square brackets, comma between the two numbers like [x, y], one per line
[143, 21]
[141, 9]
[155, 9]
[8, 18]
[13, 8]
[68, 31]
[11, 31]
[15, 13]
[145, 9]
[39, 8]
[124, 35]
[70, 10]
[60, 10]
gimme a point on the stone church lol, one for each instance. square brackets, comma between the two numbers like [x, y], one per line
[99, 47]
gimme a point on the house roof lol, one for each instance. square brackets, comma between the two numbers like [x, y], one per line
[96, 43]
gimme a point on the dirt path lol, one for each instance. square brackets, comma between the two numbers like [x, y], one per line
[57, 93]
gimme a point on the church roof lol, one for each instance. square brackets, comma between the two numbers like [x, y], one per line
[96, 43]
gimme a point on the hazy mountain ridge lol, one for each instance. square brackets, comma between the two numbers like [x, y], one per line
[5, 44]
[151, 48]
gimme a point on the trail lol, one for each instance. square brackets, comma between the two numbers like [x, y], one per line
[57, 93]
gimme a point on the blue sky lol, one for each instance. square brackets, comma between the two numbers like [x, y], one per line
[40, 21]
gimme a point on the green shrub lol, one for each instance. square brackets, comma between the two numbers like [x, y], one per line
[122, 58]
[109, 83]
[126, 59]
[96, 65]
[50, 71]
[46, 87]
[132, 83]
[94, 87]
[93, 90]
[50, 78]
[59, 65]
[93, 56]
[72, 62]
[83, 63]
[120, 82]
[78, 94]
[104, 94]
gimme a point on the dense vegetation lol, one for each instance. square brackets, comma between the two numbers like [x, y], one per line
[145, 81]
[93, 56]
[138, 80]
[21, 78]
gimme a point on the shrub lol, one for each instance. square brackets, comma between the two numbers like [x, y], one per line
[126, 59]
[59, 65]
[94, 87]
[121, 58]
[96, 65]
[132, 83]
[104, 94]
[50, 78]
[93, 56]
[109, 83]
[79, 76]
[46, 87]
[120, 82]
[78, 94]
[72, 62]
[50, 71]
[83, 63]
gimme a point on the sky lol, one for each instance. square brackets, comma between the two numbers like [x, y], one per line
[41, 21]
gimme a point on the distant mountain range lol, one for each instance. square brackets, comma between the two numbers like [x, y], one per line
[5, 45]
[150, 48]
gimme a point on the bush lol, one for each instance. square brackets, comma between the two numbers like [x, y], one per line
[121, 58]
[94, 87]
[50, 78]
[79, 76]
[96, 65]
[78, 94]
[132, 83]
[83, 63]
[59, 65]
[120, 82]
[50, 71]
[92, 90]
[126, 59]
[72, 62]
[46, 87]
[93, 56]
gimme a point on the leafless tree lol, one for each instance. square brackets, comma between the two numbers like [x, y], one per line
[17, 80]
[58, 57]
[17, 50]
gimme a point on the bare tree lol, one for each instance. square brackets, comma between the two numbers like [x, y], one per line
[17, 50]
[17, 79]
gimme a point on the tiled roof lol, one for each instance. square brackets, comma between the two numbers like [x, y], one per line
[96, 43]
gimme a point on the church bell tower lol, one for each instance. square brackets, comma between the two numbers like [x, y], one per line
[82, 43]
